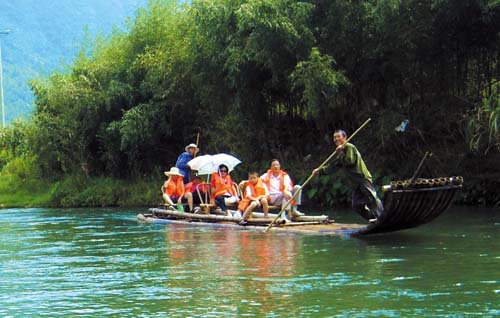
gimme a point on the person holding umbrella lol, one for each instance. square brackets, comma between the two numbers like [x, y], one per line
[223, 189]
[182, 161]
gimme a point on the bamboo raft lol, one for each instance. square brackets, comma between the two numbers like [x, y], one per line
[407, 204]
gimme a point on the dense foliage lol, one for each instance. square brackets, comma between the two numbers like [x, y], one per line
[273, 78]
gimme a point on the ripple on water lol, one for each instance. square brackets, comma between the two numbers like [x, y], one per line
[390, 260]
[490, 282]
[98, 265]
[400, 278]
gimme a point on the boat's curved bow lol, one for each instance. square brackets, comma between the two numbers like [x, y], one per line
[411, 204]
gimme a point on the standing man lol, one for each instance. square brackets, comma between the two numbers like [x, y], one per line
[182, 161]
[364, 197]
[281, 188]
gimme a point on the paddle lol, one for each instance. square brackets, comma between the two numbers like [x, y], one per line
[312, 175]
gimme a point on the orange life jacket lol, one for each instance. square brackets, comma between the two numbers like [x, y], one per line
[191, 187]
[267, 180]
[255, 191]
[175, 188]
[222, 184]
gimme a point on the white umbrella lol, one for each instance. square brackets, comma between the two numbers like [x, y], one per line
[208, 164]
[203, 164]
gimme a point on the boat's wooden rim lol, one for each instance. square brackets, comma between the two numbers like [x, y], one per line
[427, 189]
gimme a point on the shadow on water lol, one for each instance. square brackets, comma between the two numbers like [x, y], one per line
[390, 239]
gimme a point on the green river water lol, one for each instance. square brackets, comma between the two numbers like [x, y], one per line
[103, 263]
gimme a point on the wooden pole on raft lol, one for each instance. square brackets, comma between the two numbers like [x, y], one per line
[197, 141]
[312, 174]
[206, 192]
[427, 154]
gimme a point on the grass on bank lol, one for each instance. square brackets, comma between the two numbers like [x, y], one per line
[16, 192]
[80, 191]
[22, 186]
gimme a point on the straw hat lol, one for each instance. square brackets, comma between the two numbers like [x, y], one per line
[196, 149]
[174, 171]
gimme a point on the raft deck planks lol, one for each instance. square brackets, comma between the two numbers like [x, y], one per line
[331, 229]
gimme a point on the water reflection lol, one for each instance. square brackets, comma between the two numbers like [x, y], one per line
[102, 263]
[234, 267]
[225, 251]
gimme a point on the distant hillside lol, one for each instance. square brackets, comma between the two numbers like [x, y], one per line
[46, 35]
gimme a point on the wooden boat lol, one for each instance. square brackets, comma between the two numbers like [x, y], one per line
[413, 203]
[408, 204]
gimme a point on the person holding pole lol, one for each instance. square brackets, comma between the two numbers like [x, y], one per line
[182, 161]
[364, 197]
[316, 172]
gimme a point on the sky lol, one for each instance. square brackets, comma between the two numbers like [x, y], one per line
[45, 35]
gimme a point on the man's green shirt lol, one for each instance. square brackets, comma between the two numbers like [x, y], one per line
[350, 160]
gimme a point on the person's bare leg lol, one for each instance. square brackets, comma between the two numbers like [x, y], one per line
[167, 199]
[189, 197]
[249, 210]
[265, 207]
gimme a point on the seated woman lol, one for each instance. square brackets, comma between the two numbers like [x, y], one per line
[256, 194]
[195, 192]
[222, 189]
[173, 189]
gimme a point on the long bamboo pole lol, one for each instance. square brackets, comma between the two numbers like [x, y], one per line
[312, 175]
[197, 144]
[427, 154]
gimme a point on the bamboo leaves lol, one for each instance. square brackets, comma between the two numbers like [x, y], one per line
[485, 122]
[319, 83]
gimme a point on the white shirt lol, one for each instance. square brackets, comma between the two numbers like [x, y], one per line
[274, 182]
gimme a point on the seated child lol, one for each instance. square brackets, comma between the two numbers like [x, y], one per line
[256, 194]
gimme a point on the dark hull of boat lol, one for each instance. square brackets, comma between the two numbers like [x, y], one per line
[409, 208]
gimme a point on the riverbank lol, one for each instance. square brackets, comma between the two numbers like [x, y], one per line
[22, 184]
[21, 190]
[77, 191]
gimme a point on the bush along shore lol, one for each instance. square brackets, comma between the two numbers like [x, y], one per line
[21, 189]
[22, 186]
[262, 80]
